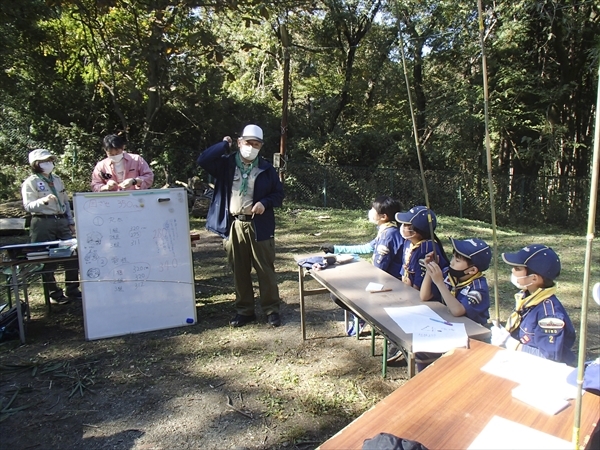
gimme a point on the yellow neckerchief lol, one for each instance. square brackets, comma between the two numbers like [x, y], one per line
[522, 303]
[412, 248]
[455, 287]
[385, 225]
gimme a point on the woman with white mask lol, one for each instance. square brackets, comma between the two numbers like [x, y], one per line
[45, 198]
[120, 170]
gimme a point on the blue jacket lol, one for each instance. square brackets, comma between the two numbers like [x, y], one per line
[267, 189]
[475, 297]
[546, 328]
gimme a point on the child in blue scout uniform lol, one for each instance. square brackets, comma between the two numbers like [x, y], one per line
[418, 243]
[386, 247]
[539, 324]
[461, 286]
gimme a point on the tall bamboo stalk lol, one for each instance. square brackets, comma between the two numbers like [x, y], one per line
[489, 160]
[587, 269]
[418, 145]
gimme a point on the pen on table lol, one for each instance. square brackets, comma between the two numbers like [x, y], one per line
[381, 290]
[441, 321]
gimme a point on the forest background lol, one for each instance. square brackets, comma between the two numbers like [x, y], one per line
[177, 76]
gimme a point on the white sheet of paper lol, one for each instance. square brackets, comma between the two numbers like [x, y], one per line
[503, 433]
[439, 338]
[540, 398]
[412, 318]
[522, 368]
[374, 287]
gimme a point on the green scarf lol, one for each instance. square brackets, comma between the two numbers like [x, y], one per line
[50, 182]
[245, 171]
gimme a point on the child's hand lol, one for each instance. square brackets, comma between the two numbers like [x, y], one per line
[435, 272]
[429, 258]
[382, 250]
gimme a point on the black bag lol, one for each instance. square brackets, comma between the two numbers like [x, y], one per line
[9, 322]
[387, 441]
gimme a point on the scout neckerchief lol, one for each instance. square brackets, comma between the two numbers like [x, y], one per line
[50, 182]
[522, 303]
[383, 226]
[245, 170]
[455, 287]
[412, 248]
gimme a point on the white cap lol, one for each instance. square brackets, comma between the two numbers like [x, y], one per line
[252, 132]
[40, 154]
[596, 293]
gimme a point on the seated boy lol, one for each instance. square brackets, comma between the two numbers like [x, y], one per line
[461, 287]
[539, 324]
[386, 247]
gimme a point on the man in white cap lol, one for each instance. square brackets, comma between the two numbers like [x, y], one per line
[45, 197]
[247, 188]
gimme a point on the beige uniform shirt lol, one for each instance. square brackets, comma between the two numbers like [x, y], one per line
[242, 204]
[35, 188]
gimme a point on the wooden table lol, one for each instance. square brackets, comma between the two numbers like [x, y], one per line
[348, 283]
[449, 404]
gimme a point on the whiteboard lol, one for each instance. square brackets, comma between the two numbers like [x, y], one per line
[135, 261]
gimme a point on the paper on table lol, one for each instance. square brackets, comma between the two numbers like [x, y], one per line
[374, 287]
[439, 338]
[522, 368]
[503, 433]
[540, 398]
[412, 318]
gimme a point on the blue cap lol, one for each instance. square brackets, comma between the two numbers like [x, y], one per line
[417, 217]
[539, 258]
[476, 250]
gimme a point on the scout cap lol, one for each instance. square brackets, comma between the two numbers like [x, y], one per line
[476, 250]
[252, 132]
[540, 258]
[387, 441]
[417, 217]
[40, 154]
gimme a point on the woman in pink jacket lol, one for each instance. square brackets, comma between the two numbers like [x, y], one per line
[120, 170]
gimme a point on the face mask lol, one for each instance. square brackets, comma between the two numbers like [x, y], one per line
[457, 274]
[372, 216]
[116, 158]
[515, 280]
[47, 167]
[405, 232]
[248, 152]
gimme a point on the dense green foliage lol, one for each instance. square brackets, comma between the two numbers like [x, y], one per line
[176, 75]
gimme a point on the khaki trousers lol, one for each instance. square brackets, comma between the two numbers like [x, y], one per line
[44, 229]
[243, 253]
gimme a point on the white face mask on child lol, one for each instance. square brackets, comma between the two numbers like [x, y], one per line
[373, 216]
[515, 280]
[116, 158]
[405, 232]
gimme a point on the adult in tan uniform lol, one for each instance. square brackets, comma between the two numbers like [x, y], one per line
[45, 197]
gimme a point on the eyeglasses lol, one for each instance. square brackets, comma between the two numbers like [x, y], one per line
[253, 144]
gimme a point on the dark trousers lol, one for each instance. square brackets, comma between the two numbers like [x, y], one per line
[44, 229]
[243, 253]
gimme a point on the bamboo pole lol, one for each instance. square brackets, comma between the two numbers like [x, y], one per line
[418, 145]
[587, 269]
[489, 161]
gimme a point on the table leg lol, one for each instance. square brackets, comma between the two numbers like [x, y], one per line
[15, 285]
[372, 341]
[301, 286]
[384, 358]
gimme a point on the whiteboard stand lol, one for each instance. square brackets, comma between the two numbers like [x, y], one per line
[135, 261]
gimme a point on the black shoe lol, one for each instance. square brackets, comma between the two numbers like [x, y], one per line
[74, 296]
[59, 300]
[240, 320]
[274, 319]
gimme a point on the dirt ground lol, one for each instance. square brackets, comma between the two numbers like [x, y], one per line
[204, 386]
